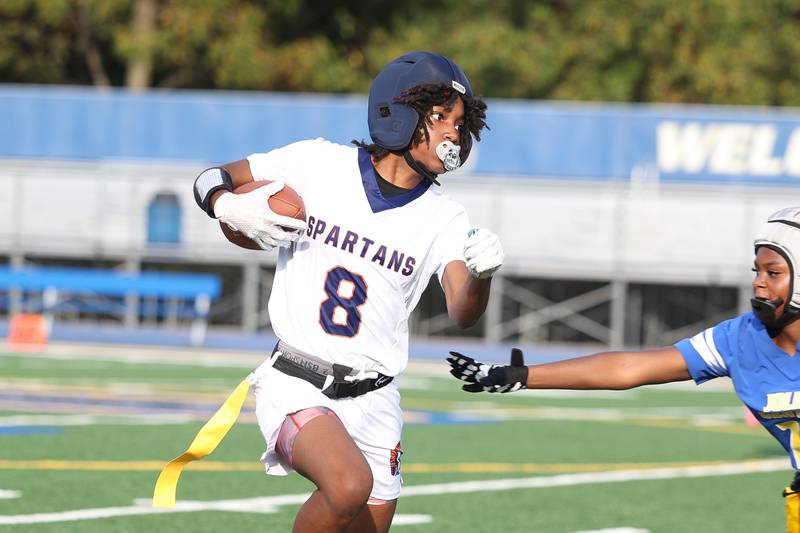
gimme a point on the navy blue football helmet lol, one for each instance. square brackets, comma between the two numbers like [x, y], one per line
[392, 124]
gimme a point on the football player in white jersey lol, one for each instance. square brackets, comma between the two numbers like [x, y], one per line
[348, 278]
[757, 351]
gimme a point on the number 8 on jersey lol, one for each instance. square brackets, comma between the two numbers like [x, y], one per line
[339, 313]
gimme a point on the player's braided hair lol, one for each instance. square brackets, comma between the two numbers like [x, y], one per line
[422, 99]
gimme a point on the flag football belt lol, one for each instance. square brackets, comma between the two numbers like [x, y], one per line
[334, 380]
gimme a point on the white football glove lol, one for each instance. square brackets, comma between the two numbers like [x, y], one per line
[483, 253]
[249, 214]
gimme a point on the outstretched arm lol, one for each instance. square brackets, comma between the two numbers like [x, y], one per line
[605, 370]
[611, 370]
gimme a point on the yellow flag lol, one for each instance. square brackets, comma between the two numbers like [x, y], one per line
[206, 441]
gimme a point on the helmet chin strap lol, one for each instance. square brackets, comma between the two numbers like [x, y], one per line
[765, 311]
[419, 168]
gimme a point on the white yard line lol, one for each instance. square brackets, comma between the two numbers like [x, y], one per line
[563, 480]
[271, 504]
[9, 494]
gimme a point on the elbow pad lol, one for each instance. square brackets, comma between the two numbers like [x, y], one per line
[207, 183]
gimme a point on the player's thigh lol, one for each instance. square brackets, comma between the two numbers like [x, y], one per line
[373, 518]
[325, 453]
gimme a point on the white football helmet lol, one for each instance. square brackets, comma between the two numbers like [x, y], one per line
[782, 234]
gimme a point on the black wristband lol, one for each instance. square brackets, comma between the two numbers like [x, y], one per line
[207, 183]
[517, 374]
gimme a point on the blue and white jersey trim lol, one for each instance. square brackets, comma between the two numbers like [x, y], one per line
[705, 346]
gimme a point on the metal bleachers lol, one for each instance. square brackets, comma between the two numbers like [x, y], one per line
[69, 293]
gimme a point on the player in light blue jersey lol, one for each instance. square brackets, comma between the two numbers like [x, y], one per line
[755, 350]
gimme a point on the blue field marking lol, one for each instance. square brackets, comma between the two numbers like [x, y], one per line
[415, 416]
[29, 430]
[110, 402]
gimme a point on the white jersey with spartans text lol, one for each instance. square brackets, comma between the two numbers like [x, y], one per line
[345, 290]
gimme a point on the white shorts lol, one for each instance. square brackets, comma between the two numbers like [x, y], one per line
[374, 421]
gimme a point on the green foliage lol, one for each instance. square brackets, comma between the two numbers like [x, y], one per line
[710, 51]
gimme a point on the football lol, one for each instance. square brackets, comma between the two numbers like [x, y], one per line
[285, 202]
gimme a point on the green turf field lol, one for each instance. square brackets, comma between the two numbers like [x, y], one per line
[82, 440]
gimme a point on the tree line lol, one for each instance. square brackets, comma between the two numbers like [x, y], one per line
[743, 52]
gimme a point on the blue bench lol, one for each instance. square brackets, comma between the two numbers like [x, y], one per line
[164, 295]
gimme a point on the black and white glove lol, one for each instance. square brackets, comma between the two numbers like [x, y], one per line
[249, 213]
[481, 377]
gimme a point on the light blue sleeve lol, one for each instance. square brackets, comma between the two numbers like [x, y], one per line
[707, 353]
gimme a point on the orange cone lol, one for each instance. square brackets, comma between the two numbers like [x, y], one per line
[27, 332]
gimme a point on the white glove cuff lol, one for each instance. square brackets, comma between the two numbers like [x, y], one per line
[221, 205]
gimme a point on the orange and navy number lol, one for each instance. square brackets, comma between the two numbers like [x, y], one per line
[350, 304]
